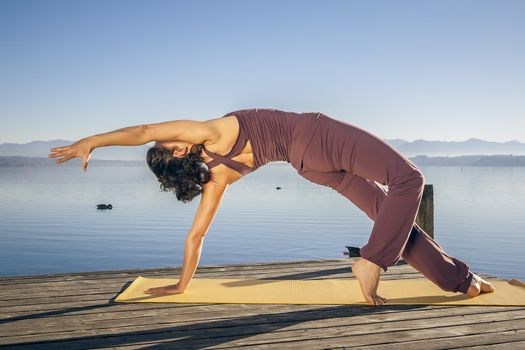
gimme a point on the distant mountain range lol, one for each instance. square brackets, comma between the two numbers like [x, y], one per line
[470, 152]
[471, 146]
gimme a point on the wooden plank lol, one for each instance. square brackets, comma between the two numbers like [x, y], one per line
[322, 313]
[505, 345]
[345, 337]
[295, 330]
[189, 316]
[438, 338]
[489, 341]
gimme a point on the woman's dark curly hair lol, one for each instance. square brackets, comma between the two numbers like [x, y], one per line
[183, 176]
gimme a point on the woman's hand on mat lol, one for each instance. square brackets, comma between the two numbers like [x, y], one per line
[166, 290]
[81, 149]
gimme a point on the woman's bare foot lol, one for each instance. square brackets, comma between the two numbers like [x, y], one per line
[368, 275]
[479, 285]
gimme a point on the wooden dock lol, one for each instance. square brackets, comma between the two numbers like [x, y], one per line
[77, 311]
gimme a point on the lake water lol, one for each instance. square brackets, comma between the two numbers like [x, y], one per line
[49, 222]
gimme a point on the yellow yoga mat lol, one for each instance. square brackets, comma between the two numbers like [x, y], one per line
[324, 291]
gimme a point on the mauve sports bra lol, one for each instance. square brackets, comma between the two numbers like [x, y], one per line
[236, 149]
[274, 135]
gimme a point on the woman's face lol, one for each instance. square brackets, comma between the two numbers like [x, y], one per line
[180, 148]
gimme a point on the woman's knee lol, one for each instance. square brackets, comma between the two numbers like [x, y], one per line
[420, 179]
[413, 182]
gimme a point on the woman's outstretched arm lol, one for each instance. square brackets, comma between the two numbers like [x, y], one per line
[192, 131]
[208, 207]
[129, 136]
[210, 202]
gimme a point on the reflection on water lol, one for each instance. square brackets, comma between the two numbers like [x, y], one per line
[49, 222]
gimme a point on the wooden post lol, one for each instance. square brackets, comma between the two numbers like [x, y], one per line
[425, 215]
[424, 218]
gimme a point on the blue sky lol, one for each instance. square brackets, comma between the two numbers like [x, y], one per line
[435, 70]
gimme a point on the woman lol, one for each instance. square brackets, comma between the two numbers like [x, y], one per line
[322, 149]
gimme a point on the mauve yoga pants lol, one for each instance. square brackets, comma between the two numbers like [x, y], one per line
[349, 160]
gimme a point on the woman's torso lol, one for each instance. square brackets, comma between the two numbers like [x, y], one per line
[266, 135]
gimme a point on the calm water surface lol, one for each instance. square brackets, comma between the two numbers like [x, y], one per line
[49, 222]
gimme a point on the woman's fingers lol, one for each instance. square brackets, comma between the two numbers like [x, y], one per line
[65, 159]
[376, 300]
[85, 161]
[58, 154]
[59, 148]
